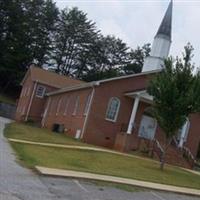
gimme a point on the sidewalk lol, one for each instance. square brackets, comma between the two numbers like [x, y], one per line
[91, 176]
[192, 171]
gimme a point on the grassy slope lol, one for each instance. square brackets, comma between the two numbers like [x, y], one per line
[104, 163]
[27, 132]
[6, 99]
[90, 161]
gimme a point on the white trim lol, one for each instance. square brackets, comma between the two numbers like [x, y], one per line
[117, 111]
[144, 96]
[88, 113]
[130, 76]
[133, 115]
[31, 100]
[74, 87]
[184, 133]
[43, 91]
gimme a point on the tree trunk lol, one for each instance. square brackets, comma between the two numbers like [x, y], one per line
[163, 157]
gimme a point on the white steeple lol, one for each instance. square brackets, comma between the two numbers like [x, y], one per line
[161, 44]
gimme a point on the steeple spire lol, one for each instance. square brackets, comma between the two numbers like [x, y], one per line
[166, 25]
[161, 44]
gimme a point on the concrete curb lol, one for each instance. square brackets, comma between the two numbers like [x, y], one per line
[98, 177]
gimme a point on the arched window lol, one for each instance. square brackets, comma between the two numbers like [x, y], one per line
[113, 109]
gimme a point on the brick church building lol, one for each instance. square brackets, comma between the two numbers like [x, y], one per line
[114, 112]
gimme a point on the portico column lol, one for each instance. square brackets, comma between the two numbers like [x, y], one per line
[133, 115]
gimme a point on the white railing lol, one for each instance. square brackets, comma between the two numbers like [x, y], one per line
[158, 145]
[188, 153]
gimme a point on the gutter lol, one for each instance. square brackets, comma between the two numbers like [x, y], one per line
[96, 83]
[74, 87]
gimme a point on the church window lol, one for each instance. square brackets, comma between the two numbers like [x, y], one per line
[113, 109]
[40, 91]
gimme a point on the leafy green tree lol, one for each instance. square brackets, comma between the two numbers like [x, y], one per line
[73, 40]
[98, 75]
[25, 37]
[136, 59]
[176, 95]
[108, 54]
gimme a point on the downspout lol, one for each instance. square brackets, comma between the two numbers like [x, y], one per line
[88, 112]
[31, 100]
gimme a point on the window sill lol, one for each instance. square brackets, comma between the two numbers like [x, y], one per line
[41, 97]
[110, 120]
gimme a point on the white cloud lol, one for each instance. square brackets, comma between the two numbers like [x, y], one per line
[136, 22]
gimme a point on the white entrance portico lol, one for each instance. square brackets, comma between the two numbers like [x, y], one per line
[141, 95]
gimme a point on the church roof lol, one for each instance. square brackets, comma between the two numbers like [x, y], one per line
[97, 83]
[50, 78]
[166, 25]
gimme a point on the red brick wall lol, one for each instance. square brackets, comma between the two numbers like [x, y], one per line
[193, 139]
[37, 106]
[70, 121]
[24, 99]
[100, 131]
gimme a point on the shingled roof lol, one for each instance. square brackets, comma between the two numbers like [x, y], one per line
[50, 78]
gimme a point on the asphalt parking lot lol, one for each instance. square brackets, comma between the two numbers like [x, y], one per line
[81, 190]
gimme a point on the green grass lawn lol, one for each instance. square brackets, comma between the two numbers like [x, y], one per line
[91, 161]
[104, 163]
[6, 99]
[34, 134]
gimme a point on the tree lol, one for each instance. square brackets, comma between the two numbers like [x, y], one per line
[73, 40]
[108, 55]
[25, 37]
[176, 95]
[36, 32]
[136, 59]
[81, 51]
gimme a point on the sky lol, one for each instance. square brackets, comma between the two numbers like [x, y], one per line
[137, 21]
